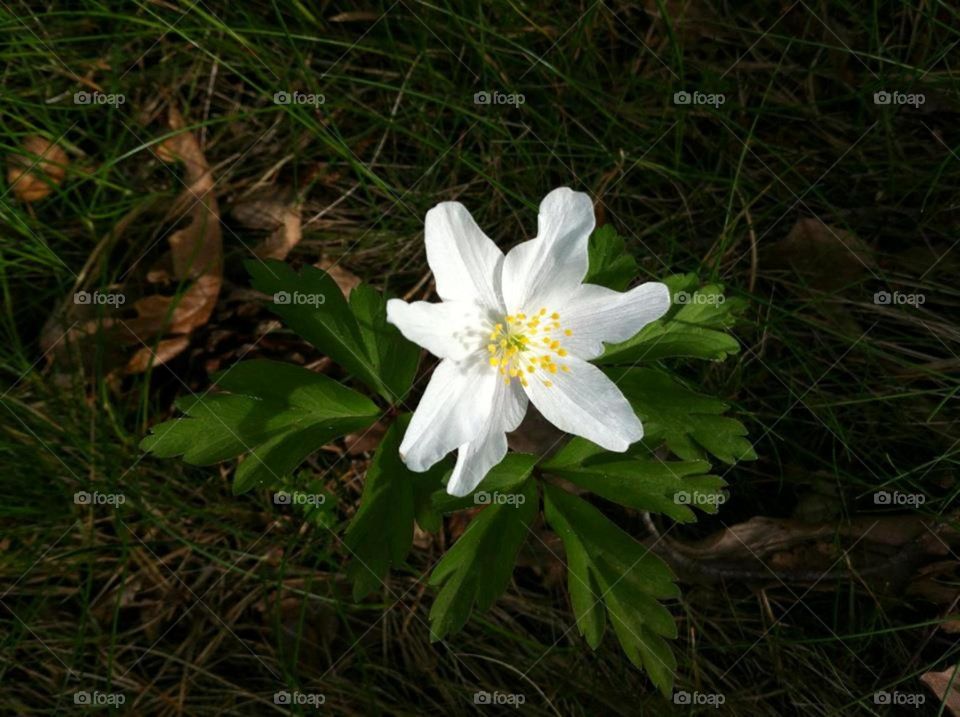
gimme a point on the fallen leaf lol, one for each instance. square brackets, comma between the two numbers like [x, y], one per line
[761, 535]
[195, 260]
[946, 686]
[40, 167]
[196, 253]
[344, 278]
[165, 350]
[888, 547]
[937, 583]
[283, 238]
[821, 256]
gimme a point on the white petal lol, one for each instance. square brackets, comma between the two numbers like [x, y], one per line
[488, 448]
[595, 314]
[452, 329]
[586, 403]
[466, 264]
[546, 270]
[453, 410]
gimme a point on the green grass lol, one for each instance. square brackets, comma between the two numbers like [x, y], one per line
[843, 397]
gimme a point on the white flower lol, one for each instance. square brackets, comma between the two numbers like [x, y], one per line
[515, 328]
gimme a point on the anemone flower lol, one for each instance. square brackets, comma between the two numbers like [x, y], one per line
[517, 328]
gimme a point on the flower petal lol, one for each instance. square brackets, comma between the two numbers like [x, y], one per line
[596, 314]
[449, 330]
[487, 449]
[454, 409]
[586, 403]
[465, 262]
[548, 269]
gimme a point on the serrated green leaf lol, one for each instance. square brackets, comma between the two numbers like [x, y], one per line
[381, 532]
[693, 328]
[691, 424]
[477, 569]
[505, 478]
[275, 412]
[330, 325]
[645, 483]
[623, 576]
[610, 264]
[394, 358]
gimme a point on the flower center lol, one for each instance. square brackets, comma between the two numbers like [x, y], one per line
[521, 345]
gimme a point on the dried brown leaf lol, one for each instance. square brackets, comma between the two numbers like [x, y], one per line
[344, 278]
[946, 686]
[821, 256]
[33, 173]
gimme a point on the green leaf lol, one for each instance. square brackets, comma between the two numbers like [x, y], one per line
[275, 412]
[606, 567]
[610, 264]
[381, 532]
[695, 327]
[394, 358]
[505, 478]
[689, 423]
[477, 569]
[313, 306]
[649, 483]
